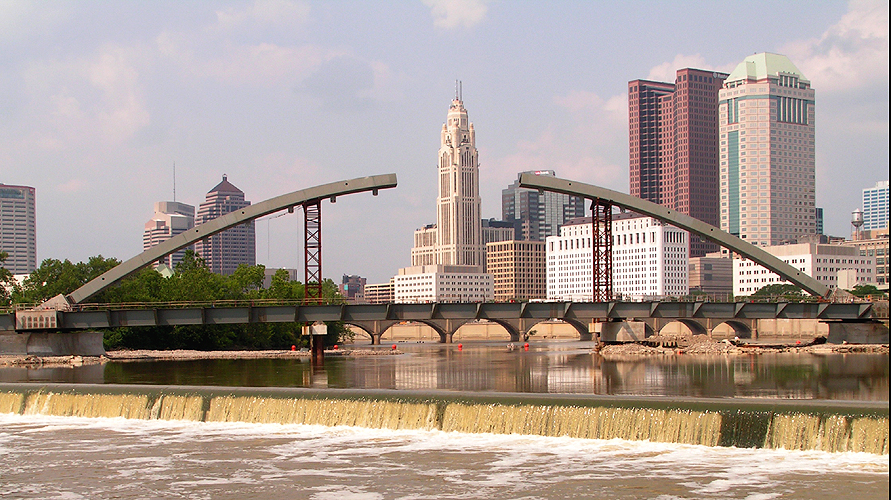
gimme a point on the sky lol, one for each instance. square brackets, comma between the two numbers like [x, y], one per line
[99, 100]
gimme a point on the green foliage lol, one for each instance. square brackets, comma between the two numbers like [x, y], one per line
[8, 285]
[55, 277]
[867, 290]
[788, 292]
[192, 281]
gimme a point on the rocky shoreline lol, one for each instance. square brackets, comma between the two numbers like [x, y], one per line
[703, 345]
[178, 355]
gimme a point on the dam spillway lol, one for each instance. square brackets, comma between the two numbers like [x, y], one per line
[831, 426]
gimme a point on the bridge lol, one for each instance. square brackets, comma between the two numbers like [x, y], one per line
[632, 320]
[619, 320]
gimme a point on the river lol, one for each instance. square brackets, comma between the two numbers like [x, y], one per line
[71, 457]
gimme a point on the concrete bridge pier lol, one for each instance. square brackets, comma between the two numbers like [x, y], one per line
[857, 332]
[374, 328]
[85, 343]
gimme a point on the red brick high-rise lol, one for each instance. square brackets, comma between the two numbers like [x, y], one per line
[673, 145]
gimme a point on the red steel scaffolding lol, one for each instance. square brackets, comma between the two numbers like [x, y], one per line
[602, 249]
[312, 218]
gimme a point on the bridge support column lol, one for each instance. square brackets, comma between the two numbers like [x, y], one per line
[376, 338]
[86, 343]
[623, 331]
[868, 332]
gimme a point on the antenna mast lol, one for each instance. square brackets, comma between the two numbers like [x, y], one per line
[174, 181]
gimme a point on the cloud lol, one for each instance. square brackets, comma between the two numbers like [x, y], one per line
[667, 71]
[261, 65]
[584, 142]
[86, 99]
[342, 84]
[24, 19]
[264, 13]
[851, 54]
[72, 186]
[451, 14]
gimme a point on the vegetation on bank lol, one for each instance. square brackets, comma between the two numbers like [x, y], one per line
[191, 281]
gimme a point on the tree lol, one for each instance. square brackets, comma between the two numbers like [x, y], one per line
[8, 285]
[55, 277]
[866, 290]
[788, 292]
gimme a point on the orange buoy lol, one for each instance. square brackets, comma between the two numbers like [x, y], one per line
[460, 347]
[394, 347]
[293, 347]
[335, 347]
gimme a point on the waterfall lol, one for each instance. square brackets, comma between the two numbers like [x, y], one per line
[709, 424]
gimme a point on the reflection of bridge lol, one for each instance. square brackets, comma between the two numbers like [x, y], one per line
[516, 318]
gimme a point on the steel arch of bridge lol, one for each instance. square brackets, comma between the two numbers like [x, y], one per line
[677, 219]
[286, 201]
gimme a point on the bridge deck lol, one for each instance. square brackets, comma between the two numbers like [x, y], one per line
[113, 316]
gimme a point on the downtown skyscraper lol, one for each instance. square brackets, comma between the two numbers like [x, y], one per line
[223, 252]
[456, 238]
[766, 115]
[18, 228]
[673, 145]
[537, 215]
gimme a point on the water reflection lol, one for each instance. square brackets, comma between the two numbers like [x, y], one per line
[548, 367]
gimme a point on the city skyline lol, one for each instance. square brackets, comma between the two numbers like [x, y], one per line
[102, 100]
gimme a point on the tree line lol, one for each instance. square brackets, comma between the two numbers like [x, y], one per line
[191, 281]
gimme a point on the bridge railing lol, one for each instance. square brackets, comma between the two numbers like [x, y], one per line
[190, 304]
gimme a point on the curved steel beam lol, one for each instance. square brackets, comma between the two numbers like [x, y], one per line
[683, 221]
[249, 213]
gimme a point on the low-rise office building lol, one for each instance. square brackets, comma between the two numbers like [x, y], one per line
[518, 269]
[822, 262]
[650, 260]
[422, 284]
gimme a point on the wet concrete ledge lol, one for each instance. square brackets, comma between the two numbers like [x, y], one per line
[879, 409]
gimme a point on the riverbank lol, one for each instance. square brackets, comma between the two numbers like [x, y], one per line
[703, 345]
[179, 355]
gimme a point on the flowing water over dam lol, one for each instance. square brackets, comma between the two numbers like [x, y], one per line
[405, 437]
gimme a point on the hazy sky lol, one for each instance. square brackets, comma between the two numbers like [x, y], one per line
[99, 99]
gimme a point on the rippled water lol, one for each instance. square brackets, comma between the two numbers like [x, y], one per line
[77, 458]
[548, 367]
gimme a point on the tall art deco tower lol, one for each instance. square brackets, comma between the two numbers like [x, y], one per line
[458, 231]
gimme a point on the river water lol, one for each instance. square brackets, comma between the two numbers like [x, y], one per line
[547, 367]
[45, 456]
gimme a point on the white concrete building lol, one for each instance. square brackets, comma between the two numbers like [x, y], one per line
[650, 260]
[421, 284]
[823, 262]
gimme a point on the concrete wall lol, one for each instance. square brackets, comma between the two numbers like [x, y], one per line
[419, 332]
[52, 344]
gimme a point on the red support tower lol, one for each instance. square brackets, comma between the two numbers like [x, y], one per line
[312, 218]
[602, 249]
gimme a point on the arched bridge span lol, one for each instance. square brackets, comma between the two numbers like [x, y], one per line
[249, 213]
[673, 217]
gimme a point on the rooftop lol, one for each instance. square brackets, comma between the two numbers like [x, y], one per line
[760, 66]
